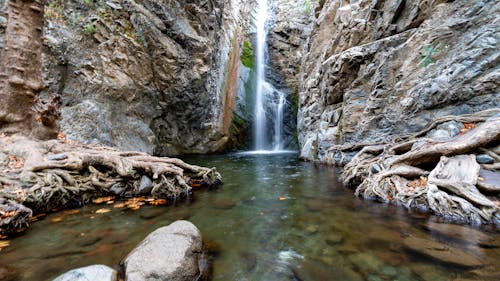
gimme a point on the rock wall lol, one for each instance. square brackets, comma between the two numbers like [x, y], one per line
[376, 70]
[143, 75]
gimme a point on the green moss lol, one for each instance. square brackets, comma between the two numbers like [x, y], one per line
[246, 57]
[307, 7]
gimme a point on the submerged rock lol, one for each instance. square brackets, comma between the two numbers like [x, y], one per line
[466, 234]
[442, 252]
[169, 253]
[93, 272]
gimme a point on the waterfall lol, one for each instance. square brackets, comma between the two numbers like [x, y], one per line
[269, 103]
[260, 113]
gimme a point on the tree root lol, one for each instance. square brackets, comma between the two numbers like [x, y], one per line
[417, 172]
[56, 174]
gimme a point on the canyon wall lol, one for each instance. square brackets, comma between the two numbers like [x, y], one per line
[143, 75]
[377, 70]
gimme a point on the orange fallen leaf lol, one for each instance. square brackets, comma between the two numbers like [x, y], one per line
[4, 244]
[158, 202]
[282, 198]
[37, 217]
[469, 125]
[3, 236]
[61, 136]
[120, 205]
[110, 202]
[102, 199]
[57, 219]
[72, 212]
[102, 211]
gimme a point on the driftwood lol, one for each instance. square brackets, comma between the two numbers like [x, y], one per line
[435, 175]
[56, 174]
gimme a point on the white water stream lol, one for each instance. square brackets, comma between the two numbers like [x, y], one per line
[269, 103]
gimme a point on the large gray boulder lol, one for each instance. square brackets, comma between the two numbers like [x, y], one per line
[89, 273]
[169, 253]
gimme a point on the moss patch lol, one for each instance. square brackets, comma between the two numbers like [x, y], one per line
[246, 57]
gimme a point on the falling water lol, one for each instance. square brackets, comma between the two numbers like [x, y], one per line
[269, 103]
[260, 113]
[278, 122]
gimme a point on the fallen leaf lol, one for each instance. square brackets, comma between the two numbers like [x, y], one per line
[469, 125]
[282, 198]
[37, 217]
[102, 199]
[158, 202]
[72, 212]
[102, 211]
[120, 205]
[57, 219]
[4, 244]
[61, 136]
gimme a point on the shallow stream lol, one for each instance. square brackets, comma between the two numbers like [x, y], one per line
[275, 218]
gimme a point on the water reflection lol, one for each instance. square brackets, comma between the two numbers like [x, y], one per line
[274, 219]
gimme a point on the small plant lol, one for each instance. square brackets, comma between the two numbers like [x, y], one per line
[87, 2]
[307, 7]
[90, 28]
[428, 53]
[247, 55]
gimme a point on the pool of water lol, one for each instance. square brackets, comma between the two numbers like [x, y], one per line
[274, 218]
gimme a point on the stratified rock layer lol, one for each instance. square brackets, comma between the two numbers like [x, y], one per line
[378, 70]
[143, 75]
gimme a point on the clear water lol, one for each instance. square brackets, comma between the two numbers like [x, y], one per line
[273, 219]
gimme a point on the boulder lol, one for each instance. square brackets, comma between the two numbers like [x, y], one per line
[94, 272]
[169, 253]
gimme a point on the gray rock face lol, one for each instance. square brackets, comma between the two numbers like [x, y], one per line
[142, 75]
[169, 253]
[377, 70]
[93, 272]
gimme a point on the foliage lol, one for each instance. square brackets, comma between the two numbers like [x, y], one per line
[87, 2]
[55, 10]
[428, 54]
[90, 28]
[246, 57]
[307, 7]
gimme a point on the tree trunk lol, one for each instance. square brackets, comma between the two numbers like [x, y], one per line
[21, 71]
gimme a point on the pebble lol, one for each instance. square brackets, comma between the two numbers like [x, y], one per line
[484, 159]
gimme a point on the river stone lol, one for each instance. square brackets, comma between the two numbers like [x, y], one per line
[146, 185]
[441, 252]
[466, 234]
[484, 159]
[94, 272]
[169, 253]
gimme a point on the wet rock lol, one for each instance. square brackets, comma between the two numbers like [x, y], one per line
[484, 159]
[117, 189]
[442, 252]
[334, 238]
[463, 233]
[427, 272]
[146, 185]
[169, 253]
[93, 272]
[366, 262]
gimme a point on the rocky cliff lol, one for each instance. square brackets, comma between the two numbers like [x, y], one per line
[143, 75]
[378, 70]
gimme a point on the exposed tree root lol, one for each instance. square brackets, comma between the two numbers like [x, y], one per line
[54, 174]
[441, 176]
